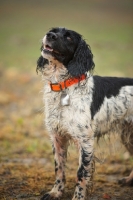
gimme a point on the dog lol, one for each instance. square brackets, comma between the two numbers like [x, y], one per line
[80, 107]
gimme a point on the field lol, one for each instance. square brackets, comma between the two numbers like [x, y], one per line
[26, 160]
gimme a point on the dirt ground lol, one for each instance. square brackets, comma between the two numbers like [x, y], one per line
[26, 161]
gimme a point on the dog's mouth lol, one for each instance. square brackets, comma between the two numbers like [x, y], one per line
[48, 49]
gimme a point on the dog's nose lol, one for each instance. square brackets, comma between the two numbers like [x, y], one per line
[52, 36]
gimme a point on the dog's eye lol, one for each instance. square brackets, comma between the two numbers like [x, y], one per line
[68, 36]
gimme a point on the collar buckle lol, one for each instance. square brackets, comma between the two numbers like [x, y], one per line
[56, 87]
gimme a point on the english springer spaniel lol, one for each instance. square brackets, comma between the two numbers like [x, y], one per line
[80, 107]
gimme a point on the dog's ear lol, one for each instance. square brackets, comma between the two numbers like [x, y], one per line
[82, 61]
[41, 62]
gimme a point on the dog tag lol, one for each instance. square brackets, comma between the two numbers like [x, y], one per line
[64, 99]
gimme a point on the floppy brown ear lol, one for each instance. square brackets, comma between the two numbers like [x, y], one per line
[82, 61]
[41, 62]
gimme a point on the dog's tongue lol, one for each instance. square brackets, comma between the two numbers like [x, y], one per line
[48, 48]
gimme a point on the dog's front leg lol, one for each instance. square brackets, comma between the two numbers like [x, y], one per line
[59, 145]
[86, 168]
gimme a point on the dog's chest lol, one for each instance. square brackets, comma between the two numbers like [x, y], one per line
[68, 119]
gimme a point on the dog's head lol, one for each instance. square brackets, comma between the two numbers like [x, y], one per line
[67, 47]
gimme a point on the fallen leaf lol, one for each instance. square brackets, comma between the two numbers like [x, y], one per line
[106, 196]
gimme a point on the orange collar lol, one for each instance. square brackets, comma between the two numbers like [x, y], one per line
[57, 87]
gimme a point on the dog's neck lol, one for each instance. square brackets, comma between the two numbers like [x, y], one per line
[55, 72]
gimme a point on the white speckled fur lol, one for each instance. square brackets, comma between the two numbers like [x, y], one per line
[107, 115]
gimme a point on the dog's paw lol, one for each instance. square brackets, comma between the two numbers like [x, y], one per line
[49, 196]
[46, 197]
[126, 181]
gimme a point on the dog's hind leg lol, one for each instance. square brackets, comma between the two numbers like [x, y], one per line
[86, 168]
[127, 139]
[60, 145]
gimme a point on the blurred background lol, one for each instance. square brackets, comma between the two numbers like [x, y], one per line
[25, 152]
[107, 25]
